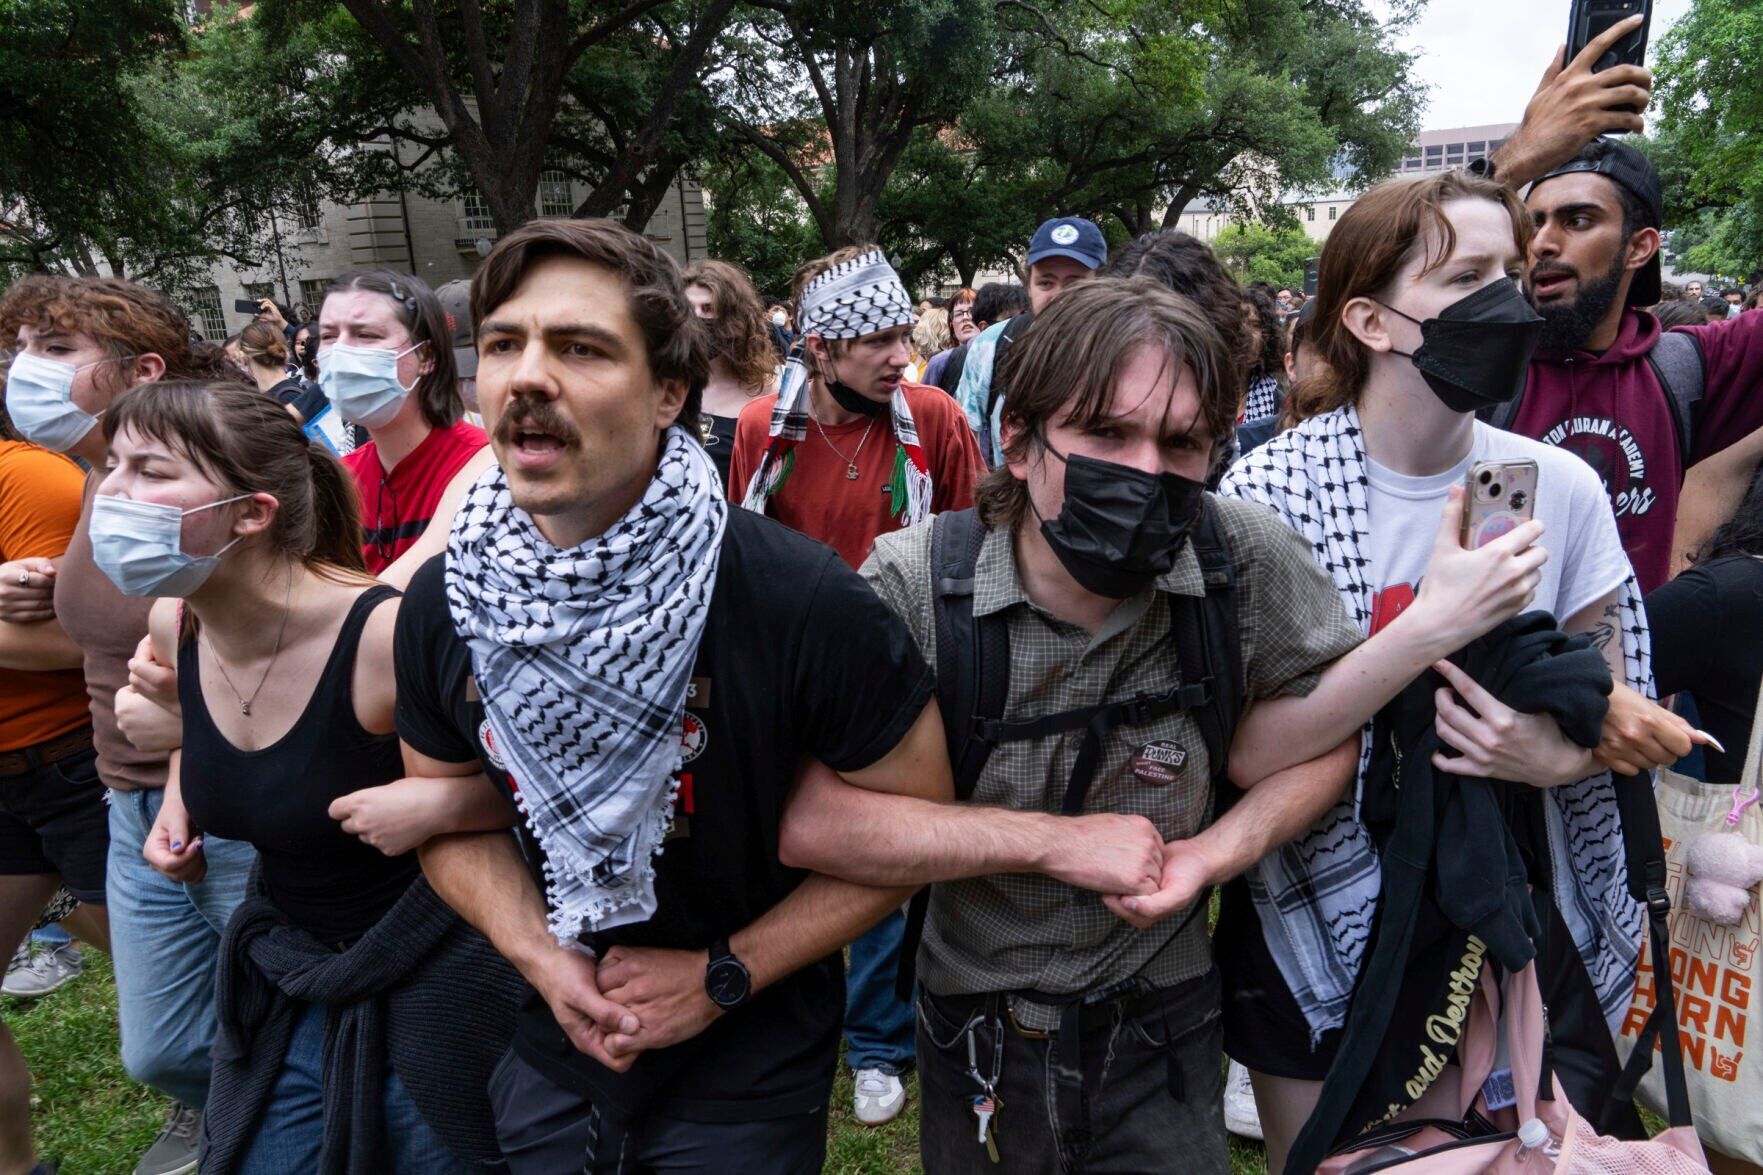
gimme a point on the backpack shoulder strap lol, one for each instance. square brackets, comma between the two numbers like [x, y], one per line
[973, 653]
[973, 682]
[1677, 361]
[1502, 415]
[1208, 640]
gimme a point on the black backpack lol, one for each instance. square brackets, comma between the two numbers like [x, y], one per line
[1676, 360]
[973, 677]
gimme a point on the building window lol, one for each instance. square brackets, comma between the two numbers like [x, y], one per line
[205, 310]
[1435, 151]
[1310, 212]
[554, 195]
[1477, 148]
[477, 213]
[312, 294]
[306, 211]
[1333, 211]
[258, 291]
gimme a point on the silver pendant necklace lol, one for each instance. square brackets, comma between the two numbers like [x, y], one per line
[244, 702]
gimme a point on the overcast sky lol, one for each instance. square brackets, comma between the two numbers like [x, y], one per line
[1483, 58]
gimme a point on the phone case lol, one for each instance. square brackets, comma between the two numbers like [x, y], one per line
[1590, 18]
[1499, 497]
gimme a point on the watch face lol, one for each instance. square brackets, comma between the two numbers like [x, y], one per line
[727, 983]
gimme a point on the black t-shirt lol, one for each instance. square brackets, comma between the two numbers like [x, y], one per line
[1708, 639]
[799, 657]
[720, 444]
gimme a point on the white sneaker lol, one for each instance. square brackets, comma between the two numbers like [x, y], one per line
[38, 970]
[880, 1097]
[1241, 1117]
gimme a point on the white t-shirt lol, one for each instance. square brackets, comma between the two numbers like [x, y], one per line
[1586, 561]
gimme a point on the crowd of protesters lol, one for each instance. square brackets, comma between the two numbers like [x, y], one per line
[544, 726]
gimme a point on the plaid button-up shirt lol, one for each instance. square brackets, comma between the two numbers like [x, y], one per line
[1012, 932]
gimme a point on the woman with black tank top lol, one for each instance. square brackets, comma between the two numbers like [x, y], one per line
[333, 1051]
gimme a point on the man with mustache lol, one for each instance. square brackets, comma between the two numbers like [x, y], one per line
[846, 450]
[1606, 383]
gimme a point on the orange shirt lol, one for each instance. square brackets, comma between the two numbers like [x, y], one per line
[846, 513]
[39, 508]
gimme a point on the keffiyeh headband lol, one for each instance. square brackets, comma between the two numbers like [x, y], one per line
[854, 298]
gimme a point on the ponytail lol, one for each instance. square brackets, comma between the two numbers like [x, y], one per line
[336, 513]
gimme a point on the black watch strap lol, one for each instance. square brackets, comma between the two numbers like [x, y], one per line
[726, 980]
[1484, 167]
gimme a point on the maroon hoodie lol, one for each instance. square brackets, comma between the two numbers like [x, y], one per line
[1609, 409]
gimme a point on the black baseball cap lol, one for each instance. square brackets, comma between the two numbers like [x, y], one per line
[1618, 162]
[1069, 236]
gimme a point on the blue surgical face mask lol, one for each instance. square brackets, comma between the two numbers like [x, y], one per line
[39, 398]
[139, 545]
[363, 383]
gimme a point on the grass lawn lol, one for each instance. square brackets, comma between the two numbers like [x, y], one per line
[95, 1121]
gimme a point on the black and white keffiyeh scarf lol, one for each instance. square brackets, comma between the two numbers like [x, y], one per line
[1263, 399]
[583, 657]
[1317, 896]
[854, 298]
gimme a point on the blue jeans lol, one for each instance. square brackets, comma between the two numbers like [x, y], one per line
[164, 939]
[878, 1023]
[292, 1131]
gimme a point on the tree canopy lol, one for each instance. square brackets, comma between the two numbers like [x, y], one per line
[1708, 127]
[944, 130]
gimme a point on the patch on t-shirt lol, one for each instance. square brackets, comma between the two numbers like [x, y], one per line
[694, 737]
[488, 738]
[1158, 763]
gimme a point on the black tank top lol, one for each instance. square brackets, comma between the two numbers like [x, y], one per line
[326, 881]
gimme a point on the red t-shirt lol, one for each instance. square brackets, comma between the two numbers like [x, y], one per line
[846, 513]
[397, 507]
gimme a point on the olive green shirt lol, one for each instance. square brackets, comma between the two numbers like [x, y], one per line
[1013, 932]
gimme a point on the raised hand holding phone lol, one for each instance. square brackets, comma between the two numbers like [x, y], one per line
[1467, 592]
[1574, 104]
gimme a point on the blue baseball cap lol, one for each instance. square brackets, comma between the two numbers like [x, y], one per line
[1069, 236]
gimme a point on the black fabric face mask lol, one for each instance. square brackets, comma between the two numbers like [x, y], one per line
[1120, 527]
[1476, 353]
[852, 400]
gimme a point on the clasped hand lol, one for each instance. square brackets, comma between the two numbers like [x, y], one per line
[628, 1001]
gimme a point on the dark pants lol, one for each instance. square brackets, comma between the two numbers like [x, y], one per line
[1147, 1093]
[546, 1129]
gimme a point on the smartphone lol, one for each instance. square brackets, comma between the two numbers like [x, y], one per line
[1590, 19]
[247, 305]
[1498, 498]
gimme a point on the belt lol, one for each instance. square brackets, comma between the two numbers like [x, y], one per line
[50, 751]
[1090, 1008]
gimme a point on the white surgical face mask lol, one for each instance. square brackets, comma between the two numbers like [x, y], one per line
[363, 383]
[39, 398]
[139, 545]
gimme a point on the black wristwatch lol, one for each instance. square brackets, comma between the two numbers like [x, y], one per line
[726, 981]
[1483, 167]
